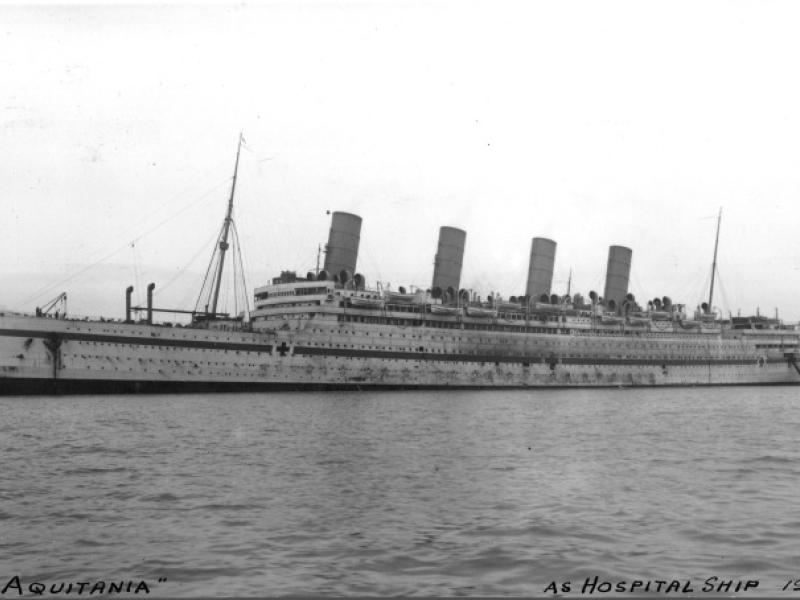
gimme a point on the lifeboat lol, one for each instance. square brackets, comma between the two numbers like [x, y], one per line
[611, 320]
[481, 312]
[403, 298]
[544, 307]
[365, 302]
[439, 309]
[509, 306]
[638, 321]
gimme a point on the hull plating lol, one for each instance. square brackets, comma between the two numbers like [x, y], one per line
[47, 356]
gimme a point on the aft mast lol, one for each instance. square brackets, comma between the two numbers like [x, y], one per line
[714, 265]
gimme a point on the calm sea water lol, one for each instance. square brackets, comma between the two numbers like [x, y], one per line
[434, 493]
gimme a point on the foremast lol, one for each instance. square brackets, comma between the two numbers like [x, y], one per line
[226, 226]
[714, 265]
[217, 264]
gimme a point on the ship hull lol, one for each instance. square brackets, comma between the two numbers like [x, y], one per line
[49, 356]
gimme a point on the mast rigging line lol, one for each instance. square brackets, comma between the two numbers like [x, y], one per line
[183, 269]
[726, 305]
[48, 287]
[235, 295]
[238, 253]
[205, 196]
[211, 270]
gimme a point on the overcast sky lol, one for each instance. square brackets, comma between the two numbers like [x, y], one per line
[592, 123]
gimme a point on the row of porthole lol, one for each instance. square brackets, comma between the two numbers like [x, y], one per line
[545, 346]
[170, 338]
[74, 357]
[496, 364]
[547, 343]
[177, 348]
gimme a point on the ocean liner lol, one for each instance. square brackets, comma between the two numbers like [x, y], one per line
[329, 330]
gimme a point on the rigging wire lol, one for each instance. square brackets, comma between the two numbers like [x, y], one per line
[213, 267]
[639, 287]
[368, 255]
[725, 303]
[216, 256]
[47, 288]
[163, 206]
[185, 268]
[238, 249]
[703, 293]
[692, 286]
[205, 196]
[233, 260]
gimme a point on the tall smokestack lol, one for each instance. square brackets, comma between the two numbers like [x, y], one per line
[341, 252]
[449, 257]
[617, 274]
[540, 267]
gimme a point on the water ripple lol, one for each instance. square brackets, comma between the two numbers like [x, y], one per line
[448, 494]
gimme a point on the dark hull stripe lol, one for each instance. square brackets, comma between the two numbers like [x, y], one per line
[140, 341]
[22, 387]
